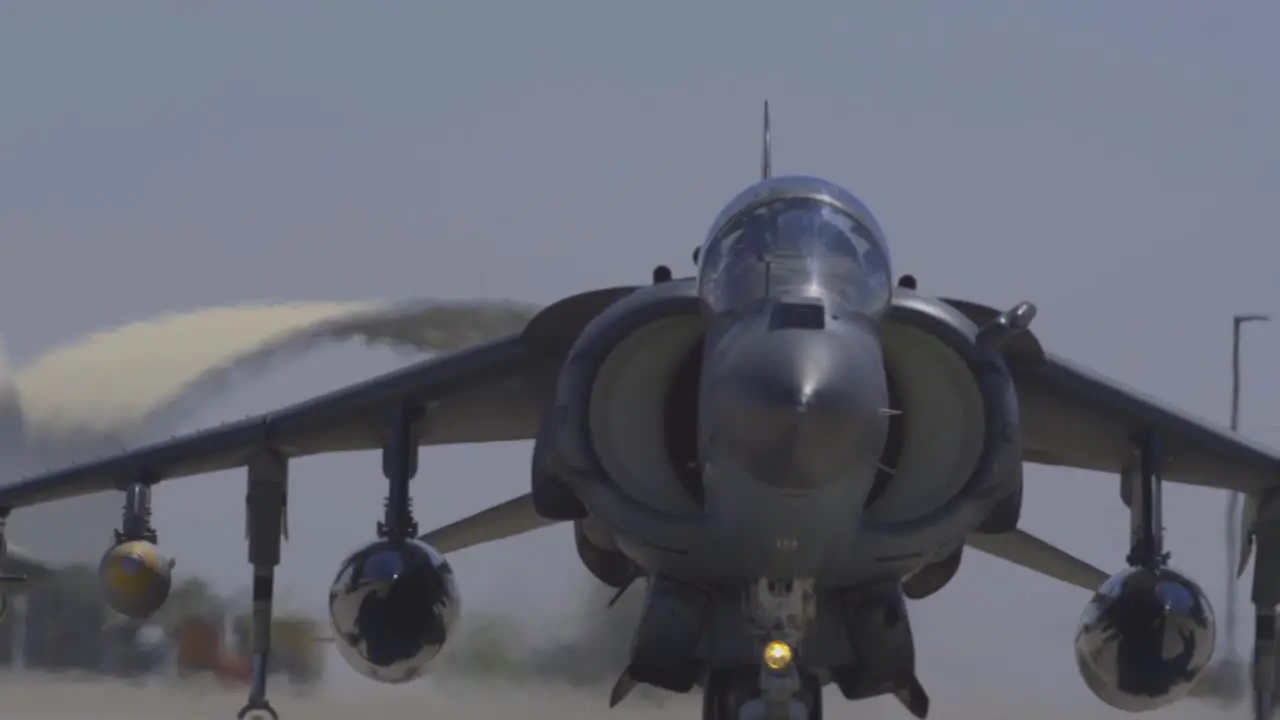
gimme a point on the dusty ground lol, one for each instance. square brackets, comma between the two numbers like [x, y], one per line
[29, 698]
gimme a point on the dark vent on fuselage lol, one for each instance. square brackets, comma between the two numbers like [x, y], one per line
[804, 315]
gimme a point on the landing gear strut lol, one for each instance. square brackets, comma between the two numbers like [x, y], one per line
[399, 466]
[743, 694]
[135, 523]
[1146, 522]
[266, 526]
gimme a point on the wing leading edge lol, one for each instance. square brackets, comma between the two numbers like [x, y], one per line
[1074, 417]
[489, 393]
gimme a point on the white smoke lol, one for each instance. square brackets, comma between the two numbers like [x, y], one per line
[10, 411]
[119, 388]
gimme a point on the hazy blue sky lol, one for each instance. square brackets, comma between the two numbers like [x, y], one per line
[1116, 163]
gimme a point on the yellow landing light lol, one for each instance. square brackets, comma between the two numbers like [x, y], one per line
[777, 655]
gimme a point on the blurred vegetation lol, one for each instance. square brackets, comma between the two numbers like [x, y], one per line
[63, 624]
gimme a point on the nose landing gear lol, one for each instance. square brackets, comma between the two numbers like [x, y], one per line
[777, 688]
[765, 694]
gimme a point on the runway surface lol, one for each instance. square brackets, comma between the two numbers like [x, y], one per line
[45, 698]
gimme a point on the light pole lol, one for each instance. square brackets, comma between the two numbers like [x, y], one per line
[1233, 501]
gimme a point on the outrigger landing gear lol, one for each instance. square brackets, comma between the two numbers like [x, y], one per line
[1146, 638]
[1266, 595]
[266, 526]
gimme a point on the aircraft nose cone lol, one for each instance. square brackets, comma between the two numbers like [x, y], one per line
[802, 409]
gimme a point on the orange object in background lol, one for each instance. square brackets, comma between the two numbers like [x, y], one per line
[201, 646]
[201, 649]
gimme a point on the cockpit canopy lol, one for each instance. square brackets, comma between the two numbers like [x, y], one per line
[796, 237]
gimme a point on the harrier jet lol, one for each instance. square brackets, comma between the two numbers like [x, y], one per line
[785, 447]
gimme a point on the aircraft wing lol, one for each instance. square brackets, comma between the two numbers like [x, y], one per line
[486, 393]
[1074, 417]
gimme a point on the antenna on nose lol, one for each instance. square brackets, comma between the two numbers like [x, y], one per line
[766, 152]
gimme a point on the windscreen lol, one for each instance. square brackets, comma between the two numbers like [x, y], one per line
[796, 247]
